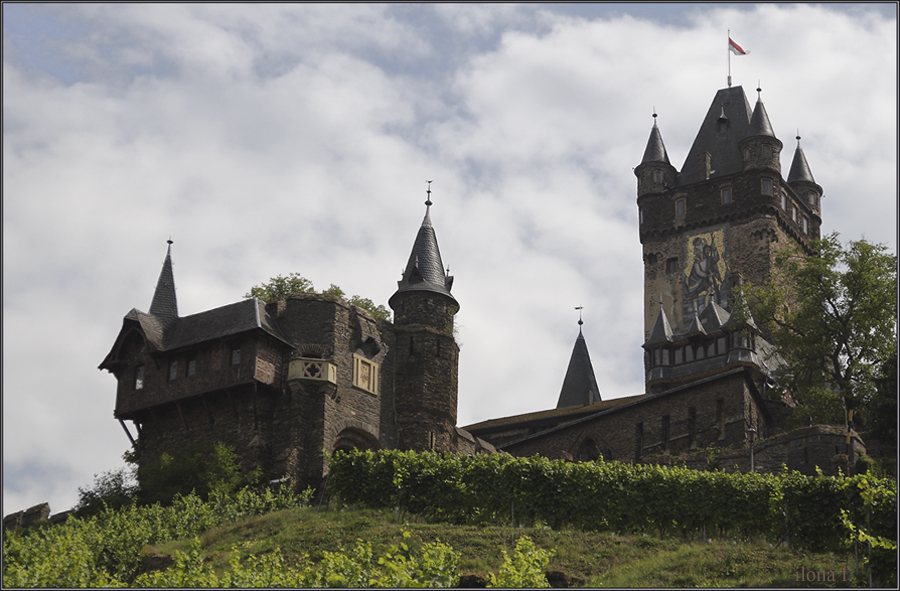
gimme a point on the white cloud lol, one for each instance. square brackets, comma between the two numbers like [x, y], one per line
[278, 138]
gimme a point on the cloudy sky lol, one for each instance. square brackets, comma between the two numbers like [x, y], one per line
[269, 139]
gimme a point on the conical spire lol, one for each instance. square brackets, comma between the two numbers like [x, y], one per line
[696, 327]
[164, 305]
[425, 270]
[580, 386]
[713, 317]
[799, 167]
[662, 330]
[740, 313]
[759, 121]
[655, 150]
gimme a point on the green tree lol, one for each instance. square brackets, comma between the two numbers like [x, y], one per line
[200, 468]
[113, 488]
[280, 287]
[833, 318]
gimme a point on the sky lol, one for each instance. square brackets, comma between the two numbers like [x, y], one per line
[278, 138]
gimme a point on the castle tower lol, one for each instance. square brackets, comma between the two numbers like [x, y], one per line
[427, 356]
[579, 386]
[725, 214]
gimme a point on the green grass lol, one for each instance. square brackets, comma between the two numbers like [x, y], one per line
[592, 559]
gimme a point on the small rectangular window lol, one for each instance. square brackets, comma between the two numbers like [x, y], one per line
[191, 367]
[784, 202]
[236, 356]
[767, 186]
[173, 370]
[726, 195]
[805, 226]
[139, 377]
[812, 198]
[672, 265]
[794, 212]
[641, 215]
[766, 151]
[657, 176]
[680, 207]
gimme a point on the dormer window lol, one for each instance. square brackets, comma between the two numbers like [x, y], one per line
[726, 195]
[236, 356]
[191, 366]
[139, 377]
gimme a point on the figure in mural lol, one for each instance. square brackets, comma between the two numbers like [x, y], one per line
[704, 279]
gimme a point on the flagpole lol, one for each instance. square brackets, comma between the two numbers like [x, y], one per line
[728, 49]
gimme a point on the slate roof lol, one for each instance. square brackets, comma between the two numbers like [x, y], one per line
[726, 157]
[579, 386]
[759, 122]
[425, 270]
[164, 305]
[662, 330]
[800, 168]
[224, 321]
[655, 150]
[567, 414]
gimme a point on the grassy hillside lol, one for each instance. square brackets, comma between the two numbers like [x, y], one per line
[587, 559]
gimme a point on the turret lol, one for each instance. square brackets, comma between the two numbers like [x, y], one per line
[801, 180]
[761, 149]
[427, 354]
[655, 173]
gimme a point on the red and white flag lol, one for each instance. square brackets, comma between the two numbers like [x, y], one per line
[735, 48]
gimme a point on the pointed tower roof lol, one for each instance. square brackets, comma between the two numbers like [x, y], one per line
[425, 270]
[580, 386]
[799, 167]
[655, 150]
[696, 327]
[662, 330]
[731, 105]
[740, 313]
[164, 305]
[713, 317]
[759, 121]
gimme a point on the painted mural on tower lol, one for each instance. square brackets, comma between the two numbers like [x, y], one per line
[705, 278]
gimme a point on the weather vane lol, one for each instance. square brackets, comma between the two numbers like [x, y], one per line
[428, 192]
[579, 308]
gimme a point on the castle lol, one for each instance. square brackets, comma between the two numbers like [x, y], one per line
[285, 381]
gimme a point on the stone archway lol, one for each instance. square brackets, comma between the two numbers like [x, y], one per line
[353, 438]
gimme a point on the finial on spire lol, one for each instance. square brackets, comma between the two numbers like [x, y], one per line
[798, 137]
[428, 193]
[169, 248]
[580, 321]
[758, 91]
